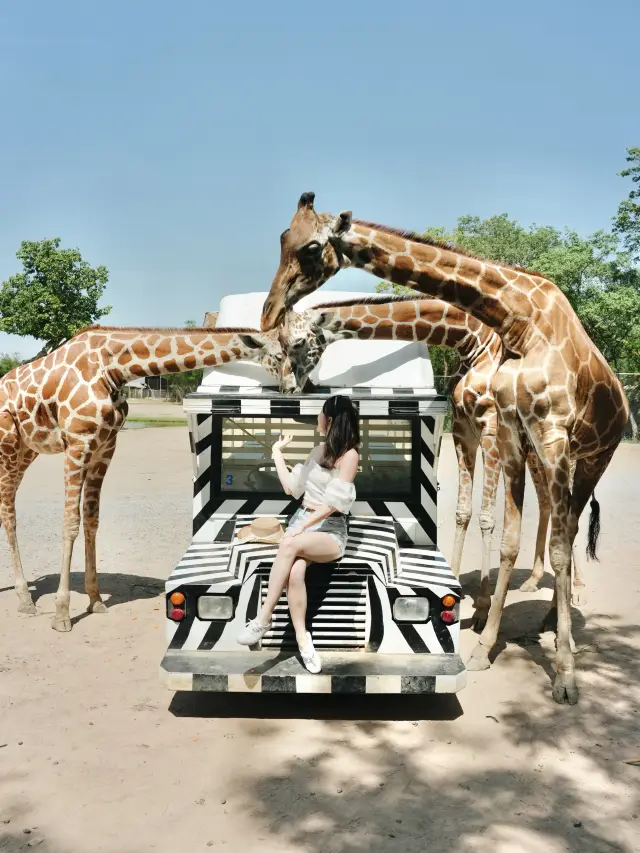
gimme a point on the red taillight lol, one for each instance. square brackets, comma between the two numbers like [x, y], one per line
[448, 616]
[177, 614]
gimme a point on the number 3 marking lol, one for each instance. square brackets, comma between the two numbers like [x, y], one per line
[228, 480]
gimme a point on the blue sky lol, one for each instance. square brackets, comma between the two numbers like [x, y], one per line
[171, 141]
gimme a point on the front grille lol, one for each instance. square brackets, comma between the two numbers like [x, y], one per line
[336, 610]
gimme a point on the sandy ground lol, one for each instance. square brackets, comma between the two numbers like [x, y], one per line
[95, 755]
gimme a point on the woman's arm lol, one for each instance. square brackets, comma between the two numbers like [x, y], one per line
[293, 481]
[283, 472]
[346, 475]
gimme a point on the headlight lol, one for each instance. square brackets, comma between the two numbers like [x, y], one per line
[215, 607]
[411, 609]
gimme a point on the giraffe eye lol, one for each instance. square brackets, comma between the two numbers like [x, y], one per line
[313, 248]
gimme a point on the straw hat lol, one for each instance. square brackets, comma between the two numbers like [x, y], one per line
[265, 529]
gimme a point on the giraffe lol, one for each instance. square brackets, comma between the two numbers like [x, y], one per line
[69, 402]
[307, 334]
[554, 390]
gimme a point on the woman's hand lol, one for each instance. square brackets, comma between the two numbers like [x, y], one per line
[282, 442]
[292, 531]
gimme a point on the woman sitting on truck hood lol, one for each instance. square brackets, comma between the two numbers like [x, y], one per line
[317, 532]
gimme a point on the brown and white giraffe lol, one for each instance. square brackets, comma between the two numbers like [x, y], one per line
[69, 402]
[554, 390]
[307, 334]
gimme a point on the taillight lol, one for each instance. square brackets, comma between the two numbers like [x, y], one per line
[448, 617]
[176, 606]
[448, 600]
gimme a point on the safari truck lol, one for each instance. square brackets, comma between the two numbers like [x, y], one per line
[385, 617]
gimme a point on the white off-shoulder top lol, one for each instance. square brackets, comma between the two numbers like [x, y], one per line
[321, 486]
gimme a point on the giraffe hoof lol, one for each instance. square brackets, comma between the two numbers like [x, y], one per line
[27, 606]
[565, 691]
[97, 607]
[479, 659]
[529, 585]
[62, 625]
[578, 596]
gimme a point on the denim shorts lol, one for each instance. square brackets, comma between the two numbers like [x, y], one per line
[334, 525]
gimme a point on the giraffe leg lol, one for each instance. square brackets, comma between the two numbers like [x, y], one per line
[466, 446]
[91, 513]
[578, 587]
[513, 467]
[552, 444]
[588, 472]
[76, 459]
[544, 512]
[487, 520]
[15, 458]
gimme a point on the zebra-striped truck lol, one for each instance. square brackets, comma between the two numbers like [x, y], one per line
[385, 618]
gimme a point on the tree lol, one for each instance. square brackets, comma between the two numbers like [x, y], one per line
[56, 294]
[626, 222]
[612, 317]
[599, 280]
[8, 361]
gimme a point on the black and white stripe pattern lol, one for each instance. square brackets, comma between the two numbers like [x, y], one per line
[262, 672]
[357, 590]
[259, 401]
[391, 552]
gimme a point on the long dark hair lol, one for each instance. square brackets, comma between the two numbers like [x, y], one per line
[344, 432]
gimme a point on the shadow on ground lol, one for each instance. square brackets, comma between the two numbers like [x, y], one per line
[115, 588]
[315, 707]
[391, 788]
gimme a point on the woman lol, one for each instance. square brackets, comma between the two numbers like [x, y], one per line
[317, 532]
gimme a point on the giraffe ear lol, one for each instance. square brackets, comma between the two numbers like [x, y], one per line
[252, 341]
[306, 200]
[342, 223]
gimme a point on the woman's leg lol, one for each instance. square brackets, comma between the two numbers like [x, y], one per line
[314, 547]
[297, 600]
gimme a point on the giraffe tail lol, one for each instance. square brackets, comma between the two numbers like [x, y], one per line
[594, 528]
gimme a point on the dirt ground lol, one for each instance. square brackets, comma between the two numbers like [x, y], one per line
[95, 755]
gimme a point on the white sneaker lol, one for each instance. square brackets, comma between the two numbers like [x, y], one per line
[310, 657]
[252, 633]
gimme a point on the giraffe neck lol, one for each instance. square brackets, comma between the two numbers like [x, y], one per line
[499, 297]
[430, 321]
[132, 354]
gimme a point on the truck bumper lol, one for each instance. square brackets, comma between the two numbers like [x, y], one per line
[283, 672]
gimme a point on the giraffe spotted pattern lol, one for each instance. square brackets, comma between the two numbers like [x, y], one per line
[69, 402]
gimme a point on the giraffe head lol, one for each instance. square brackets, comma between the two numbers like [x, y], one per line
[266, 348]
[305, 335]
[310, 254]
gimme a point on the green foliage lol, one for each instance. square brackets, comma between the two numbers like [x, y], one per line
[599, 280]
[626, 222]
[56, 294]
[8, 361]
[612, 319]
